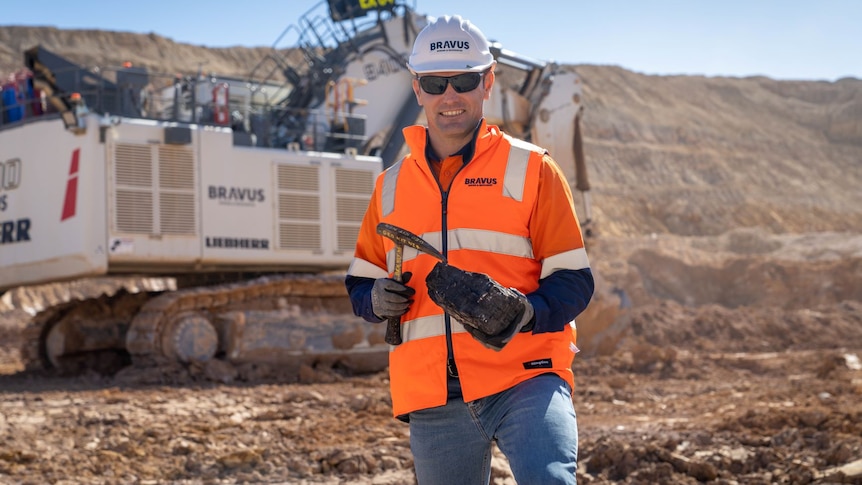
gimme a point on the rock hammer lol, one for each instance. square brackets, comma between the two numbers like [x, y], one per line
[402, 237]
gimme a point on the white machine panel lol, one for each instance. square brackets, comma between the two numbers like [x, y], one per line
[144, 196]
[152, 188]
[184, 198]
[280, 207]
[52, 203]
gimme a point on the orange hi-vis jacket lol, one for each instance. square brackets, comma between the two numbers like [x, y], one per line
[508, 213]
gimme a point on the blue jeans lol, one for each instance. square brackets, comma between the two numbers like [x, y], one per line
[533, 423]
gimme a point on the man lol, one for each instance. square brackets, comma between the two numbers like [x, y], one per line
[488, 340]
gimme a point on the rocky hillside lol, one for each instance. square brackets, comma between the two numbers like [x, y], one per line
[694, 155]
[104, 48]
[684, 155]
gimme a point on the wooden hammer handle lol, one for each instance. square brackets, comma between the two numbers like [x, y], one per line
[393, 324]
[393, 331]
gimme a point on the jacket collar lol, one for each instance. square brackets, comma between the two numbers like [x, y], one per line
[466, 152]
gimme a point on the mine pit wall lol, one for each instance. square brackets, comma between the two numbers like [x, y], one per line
[727, 280]
[697, 156]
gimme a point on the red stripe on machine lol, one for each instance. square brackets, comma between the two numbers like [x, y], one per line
[71, 199]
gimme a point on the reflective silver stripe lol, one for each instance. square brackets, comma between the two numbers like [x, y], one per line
[525, 145]
[475, 239]
[432, 238]
[516, 169]
[492, 241]
[387, 196]
[574, 259]
[427, 327]
[361, 267]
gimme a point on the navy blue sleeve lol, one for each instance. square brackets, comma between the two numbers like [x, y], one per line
[562, 296]
[359, 289]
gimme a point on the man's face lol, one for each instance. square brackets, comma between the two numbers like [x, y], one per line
[452, 114]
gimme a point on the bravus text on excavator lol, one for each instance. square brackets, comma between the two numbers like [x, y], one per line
[225, 210]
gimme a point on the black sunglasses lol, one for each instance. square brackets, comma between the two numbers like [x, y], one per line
[462, 83]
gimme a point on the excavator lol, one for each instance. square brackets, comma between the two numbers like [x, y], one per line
[244, 195]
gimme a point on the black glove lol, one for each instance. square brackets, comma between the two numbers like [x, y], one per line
[491, 313]
[498, 341]
[390, 298]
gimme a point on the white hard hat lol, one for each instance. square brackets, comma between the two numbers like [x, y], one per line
[450, 43]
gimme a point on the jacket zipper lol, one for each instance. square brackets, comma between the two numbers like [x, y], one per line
[451, 368]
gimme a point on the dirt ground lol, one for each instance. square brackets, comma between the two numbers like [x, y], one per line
[762, 387]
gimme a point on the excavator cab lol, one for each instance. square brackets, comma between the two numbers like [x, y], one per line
[337, 50]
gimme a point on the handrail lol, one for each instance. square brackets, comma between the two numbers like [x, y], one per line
[187, 100]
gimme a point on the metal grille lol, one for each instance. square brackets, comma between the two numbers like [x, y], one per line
[177, 214]
[299, 236]
[291, 177]
[349, 181]
[134, 165]
[299, 217]
[154, 189]
[134, 211]
[353, 190]
[299, 206]
[176, 167]
[347, 236]
[351, 209]
[177, 206]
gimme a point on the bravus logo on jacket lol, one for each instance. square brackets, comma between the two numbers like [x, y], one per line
[480, 181]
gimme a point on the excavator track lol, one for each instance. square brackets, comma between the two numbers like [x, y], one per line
[159, 332]
[81, 334]
[285, 320]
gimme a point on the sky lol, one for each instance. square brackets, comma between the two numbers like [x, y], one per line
[781, 39]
